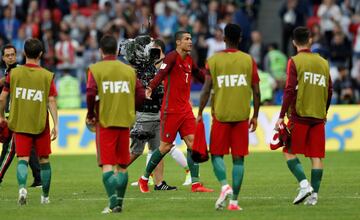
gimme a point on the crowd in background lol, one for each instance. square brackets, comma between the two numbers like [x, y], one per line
[71, 30]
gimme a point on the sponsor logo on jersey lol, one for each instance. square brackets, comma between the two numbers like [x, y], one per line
[233, 80]
[29, 94]
[163, 66]
[314, 78]
[115, 87]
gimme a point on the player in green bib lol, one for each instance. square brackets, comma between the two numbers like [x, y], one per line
[307, 97]
[234, 80]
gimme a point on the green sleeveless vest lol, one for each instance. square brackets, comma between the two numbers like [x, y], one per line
[69, 92]
[232, 76]
[29, 91]
[313, 81]
[116, 83]
[266, 88]
[278, 62]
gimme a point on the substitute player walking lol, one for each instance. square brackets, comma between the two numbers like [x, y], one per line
[116, 85]
[233, 78]
[176, 111]
[307, 97]
[32, 93]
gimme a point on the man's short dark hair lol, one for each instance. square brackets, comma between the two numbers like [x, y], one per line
[179, 34]
[108, 44]
[7, 46]
[32, 48]
[301, 35]
[233, 33]
[160, 44]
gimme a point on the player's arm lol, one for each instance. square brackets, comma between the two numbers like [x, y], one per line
[3, 97]
[52, 106]
[91, 91]
[2, 81]
[256, 97]
[205, 94]
[330, 92]
[199, 74]
[289, 91]
[164, 70]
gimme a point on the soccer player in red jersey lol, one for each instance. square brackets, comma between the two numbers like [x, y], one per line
[307, 97]
[176, 111]
[119, 93]
[234, 80]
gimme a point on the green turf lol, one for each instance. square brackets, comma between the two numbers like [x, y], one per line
[267, 192]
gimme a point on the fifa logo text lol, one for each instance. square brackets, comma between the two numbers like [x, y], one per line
[115, 87]
[314, 78]
[29, 94]
[232, 80]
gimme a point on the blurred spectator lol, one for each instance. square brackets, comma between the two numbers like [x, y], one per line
[212, 16]
[275, 63]
[19, 45]
[257, 49]
[9, 25]
[216, 43]
[292, 15]
[329, 13]
[68, 87]
[77, 23]
[15, 7]
[65, 50]
[345, 87]
[196, 10]
[166, 24]
[242, 18]
[319, 44]
[340, 48]
[49, 46]
[104, 15]
[160, 7]
[31, 26]
[267, 86]
[91, 53]
[199, 35]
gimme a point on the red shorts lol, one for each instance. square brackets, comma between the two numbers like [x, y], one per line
[112, 145]
[41, 142]
[184, 123]
[229, 135]
[308, 140]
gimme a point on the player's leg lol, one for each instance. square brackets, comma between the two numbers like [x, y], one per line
[7, 155]
[180, 158]
[187, 130]
[106, 142]
[316, 152]
[43, 149]
[122, 180]
[155, 159]
[45, 175]
[298, 146]
[35, 168]
[168, 129]
[23, 145]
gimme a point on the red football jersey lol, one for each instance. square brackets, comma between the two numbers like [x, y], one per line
[177, 74]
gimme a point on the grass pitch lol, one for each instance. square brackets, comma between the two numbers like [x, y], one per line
[267, 192]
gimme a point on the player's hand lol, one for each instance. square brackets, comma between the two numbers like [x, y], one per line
[91, 120]
[2, 120]
[148, 92]
[277, 125]
[54, 133]
[252, 124]
[199, 118]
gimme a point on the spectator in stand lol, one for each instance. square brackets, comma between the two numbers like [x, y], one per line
[65, 50]
[166, 23]
[319, 44]
[199, 35]
[183, 23]
[216, 43]
[212, 16]
[49, 46]
[345, 87]
[77, 23]
[291, 15]
[340, 48]
[196, 10]
[9, 25]
[329, 13]
[257, 49]
[267, 86]
[68, 87]
[275, 63]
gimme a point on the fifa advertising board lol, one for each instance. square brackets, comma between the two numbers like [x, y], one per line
[342, 130]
